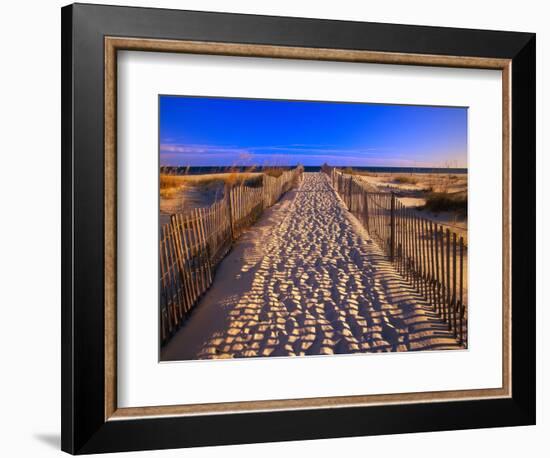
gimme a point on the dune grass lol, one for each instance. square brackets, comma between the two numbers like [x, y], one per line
[441, 202]
[403, 179]
[171, 184]
[352, 171]
[274, 172]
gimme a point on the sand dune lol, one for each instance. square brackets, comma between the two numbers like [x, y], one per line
[307, 280]
[415, 194]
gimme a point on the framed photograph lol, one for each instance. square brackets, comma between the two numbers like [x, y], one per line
[281, 228]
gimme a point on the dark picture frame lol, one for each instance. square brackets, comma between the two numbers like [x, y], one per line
[91, 36]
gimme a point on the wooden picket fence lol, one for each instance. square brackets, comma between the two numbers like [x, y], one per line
[247, 204]
[428, 255]
[274, 188]
[193, 244]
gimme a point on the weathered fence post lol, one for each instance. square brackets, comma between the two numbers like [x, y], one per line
[367, 216]
[229, 191]
[392, 227]
[349, 193]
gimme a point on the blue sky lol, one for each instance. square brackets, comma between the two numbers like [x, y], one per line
[224, 132]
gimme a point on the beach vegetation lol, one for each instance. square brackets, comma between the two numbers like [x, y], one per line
[404, 179]
[438, 202]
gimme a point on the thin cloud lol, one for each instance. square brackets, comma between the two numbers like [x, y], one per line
[200, 149]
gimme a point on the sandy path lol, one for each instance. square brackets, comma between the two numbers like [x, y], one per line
[307, 280]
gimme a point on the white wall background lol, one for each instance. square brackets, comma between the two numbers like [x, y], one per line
[30, 225]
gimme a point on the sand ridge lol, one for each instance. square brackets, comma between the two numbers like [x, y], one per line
[307, 280]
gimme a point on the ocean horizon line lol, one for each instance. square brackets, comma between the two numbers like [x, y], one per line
[221, 168]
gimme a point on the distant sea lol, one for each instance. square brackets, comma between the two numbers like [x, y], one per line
[309, 168]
